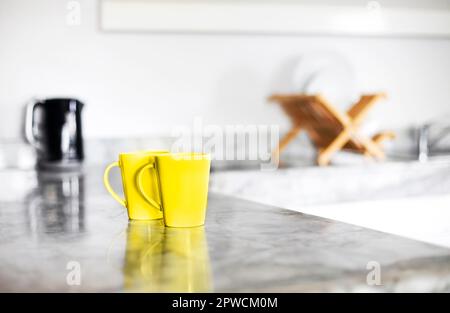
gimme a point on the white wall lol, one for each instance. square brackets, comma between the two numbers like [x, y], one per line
[142, 84]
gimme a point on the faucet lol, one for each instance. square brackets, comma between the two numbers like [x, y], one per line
[423, 147]
[425, 144]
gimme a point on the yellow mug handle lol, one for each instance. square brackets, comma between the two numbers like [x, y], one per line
[108, 185]
[141, 186]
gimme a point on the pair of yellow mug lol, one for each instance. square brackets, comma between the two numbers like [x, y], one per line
[159, 184]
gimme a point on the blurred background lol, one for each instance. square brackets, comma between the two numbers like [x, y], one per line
[141, 79]
[145, 67]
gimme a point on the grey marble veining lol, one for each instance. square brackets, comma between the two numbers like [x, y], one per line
[303, 186]
[47, 221]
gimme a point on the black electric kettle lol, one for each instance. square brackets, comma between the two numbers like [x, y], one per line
[53, 127]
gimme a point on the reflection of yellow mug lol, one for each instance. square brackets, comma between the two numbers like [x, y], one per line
[143, 256]
[184, 179]
[166, 259]
[140, 184]
[186, 260]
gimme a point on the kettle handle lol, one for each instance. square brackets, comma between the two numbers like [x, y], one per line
[29, 122]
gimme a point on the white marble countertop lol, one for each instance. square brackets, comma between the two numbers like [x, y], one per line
[421, 218]
[47, 222]
[409, 199]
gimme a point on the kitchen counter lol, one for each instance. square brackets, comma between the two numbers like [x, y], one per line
[409, 199]
[63, 232]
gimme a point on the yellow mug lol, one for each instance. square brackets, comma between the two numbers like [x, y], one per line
[184, 179]
[140, 184]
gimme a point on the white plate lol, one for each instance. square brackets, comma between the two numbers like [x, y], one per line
[329, 74]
